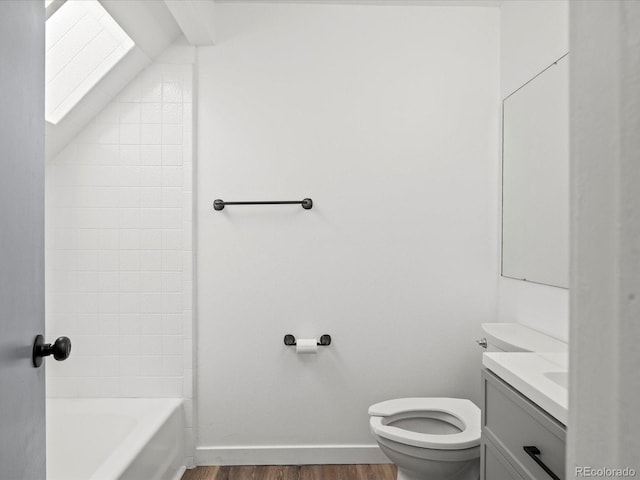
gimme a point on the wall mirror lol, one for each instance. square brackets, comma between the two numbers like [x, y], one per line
[535, 179]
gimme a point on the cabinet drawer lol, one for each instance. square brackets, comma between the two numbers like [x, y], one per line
[494, 465]
[512, 422]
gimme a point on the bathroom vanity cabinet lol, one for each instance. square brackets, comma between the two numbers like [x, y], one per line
[520, 441]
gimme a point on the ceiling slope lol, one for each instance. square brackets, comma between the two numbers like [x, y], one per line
[153, 28]
[196, 19]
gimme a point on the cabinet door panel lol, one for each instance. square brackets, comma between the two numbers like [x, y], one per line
[495, 466]
[511, 422]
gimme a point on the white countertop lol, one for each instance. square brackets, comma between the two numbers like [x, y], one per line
[541, 377]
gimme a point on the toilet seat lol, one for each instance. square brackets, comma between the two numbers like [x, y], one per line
[463, 410]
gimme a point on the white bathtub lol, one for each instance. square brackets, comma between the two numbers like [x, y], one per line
[115, 439]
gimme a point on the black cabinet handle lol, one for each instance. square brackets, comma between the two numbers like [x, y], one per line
[533, 452]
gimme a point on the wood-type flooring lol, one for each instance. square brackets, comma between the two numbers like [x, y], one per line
[293, 472]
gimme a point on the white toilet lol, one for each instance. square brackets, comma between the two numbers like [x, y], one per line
[429, 438]
[435, 438]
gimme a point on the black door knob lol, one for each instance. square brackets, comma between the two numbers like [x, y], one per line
[60, 349]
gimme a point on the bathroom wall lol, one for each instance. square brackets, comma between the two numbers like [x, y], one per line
[388, 118]
[534, 34]
[119, 245]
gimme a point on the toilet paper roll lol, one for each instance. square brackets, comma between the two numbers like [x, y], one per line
[306, 345]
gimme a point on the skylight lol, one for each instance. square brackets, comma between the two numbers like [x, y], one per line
[83, 43]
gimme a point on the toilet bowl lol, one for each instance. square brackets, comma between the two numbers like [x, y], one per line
[429, 438]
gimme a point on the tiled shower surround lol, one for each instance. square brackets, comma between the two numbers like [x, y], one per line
[119, 245]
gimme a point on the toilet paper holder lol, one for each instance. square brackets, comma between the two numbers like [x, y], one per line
[290, 340]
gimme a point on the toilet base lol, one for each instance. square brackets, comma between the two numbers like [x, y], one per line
[407, 476]
[424, 464]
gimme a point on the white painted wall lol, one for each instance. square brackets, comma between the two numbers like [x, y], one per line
[534, 34]
[388, 117]
[605, 332]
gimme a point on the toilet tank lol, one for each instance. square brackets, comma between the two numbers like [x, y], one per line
[514, 337]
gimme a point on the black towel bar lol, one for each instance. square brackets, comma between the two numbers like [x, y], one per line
[307, 203]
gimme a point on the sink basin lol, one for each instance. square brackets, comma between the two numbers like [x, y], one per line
[559, 378]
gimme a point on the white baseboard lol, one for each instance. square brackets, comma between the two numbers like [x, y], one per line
[290, 455]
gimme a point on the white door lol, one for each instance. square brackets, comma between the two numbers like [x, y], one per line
[22, 391]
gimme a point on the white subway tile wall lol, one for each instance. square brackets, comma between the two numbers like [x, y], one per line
[119, 246]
